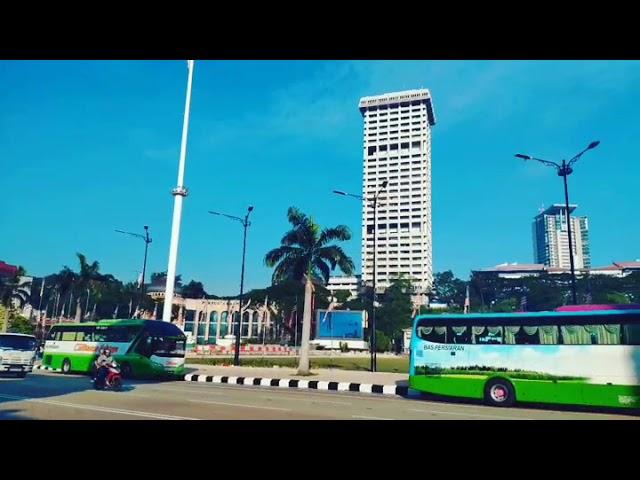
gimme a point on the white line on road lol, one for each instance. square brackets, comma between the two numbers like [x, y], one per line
[370, 418]
[241, 405]
[185, 390]
[277, 394]
[130, 394]
[467, 414]
[95, 408]
[309, 400]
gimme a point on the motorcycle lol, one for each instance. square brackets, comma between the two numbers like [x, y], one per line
[112, 381]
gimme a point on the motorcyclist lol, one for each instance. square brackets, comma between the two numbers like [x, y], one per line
[103, 362]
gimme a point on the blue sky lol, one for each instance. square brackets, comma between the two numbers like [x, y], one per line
[89, 146]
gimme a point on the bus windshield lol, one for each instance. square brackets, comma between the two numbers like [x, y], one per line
[169, 347]
[17, 342]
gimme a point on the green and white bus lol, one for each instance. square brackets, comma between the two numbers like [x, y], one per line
[142, 348]
[565, 357]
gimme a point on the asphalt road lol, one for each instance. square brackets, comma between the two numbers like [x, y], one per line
[54, 396]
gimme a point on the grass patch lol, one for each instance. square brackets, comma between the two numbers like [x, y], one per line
[392, 365]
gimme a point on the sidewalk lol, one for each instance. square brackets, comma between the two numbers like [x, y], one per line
[322, 379]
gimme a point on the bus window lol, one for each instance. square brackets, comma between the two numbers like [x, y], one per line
[487, 335]
[459, 335]
[528, 335]
[632, 334]
[55, 334]
[118, 335]
[84, 334]
[598, 335]
[432, 334]
[145, 346]
[575, 335]
[100, 334]
[68, 336]
[510, 333]
[548, 335]
[610, 334]
[168, 347]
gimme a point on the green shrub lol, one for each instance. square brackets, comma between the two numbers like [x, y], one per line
[383, 342]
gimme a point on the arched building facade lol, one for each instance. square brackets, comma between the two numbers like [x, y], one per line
[212, 320]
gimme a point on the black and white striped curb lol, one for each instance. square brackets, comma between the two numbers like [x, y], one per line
[399, 390]
[44, 367]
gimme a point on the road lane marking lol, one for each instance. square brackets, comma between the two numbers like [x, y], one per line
[96, 408]
[186, 390]
[309, 400]
[278, 393]
[241, 405]
[131, 394]
[467, 414]
[365, 417]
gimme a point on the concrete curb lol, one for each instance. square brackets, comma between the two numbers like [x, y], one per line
[304, 384]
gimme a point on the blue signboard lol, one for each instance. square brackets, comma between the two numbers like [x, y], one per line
[340, 324]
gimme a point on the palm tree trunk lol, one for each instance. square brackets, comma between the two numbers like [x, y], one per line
[303, 365]
[78, 310]
[55, 306]
[5, 324]
[70, 303]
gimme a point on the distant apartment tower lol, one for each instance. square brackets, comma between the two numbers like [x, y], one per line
[397, 148]
[551, 241]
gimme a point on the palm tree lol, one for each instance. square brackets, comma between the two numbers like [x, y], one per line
[64, 282]
[13, 291]
[306, 256]
[86, 279]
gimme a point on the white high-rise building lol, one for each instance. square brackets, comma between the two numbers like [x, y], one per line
[397, 148]
[551, 241]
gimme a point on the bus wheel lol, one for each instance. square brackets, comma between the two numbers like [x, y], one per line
[66, 366]
[499, 393]
[126, 370]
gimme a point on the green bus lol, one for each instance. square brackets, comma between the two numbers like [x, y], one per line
[574, 357]
[142, 348]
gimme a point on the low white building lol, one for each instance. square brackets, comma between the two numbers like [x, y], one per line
[617, 269]
[519, 270]
[348, 283]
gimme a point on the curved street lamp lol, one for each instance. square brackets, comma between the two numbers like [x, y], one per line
[565, 169]
[372, 202]
[245, 223]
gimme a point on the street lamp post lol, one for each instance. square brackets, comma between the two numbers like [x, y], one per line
[245, 223]
[372, 202]
[564, 170]
[147, 240]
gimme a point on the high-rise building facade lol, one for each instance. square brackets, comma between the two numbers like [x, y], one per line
[397, 148]
[551, 240]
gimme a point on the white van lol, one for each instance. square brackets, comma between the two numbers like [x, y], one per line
[17, 353]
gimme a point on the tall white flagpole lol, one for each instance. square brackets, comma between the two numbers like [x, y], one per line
[178, 194]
